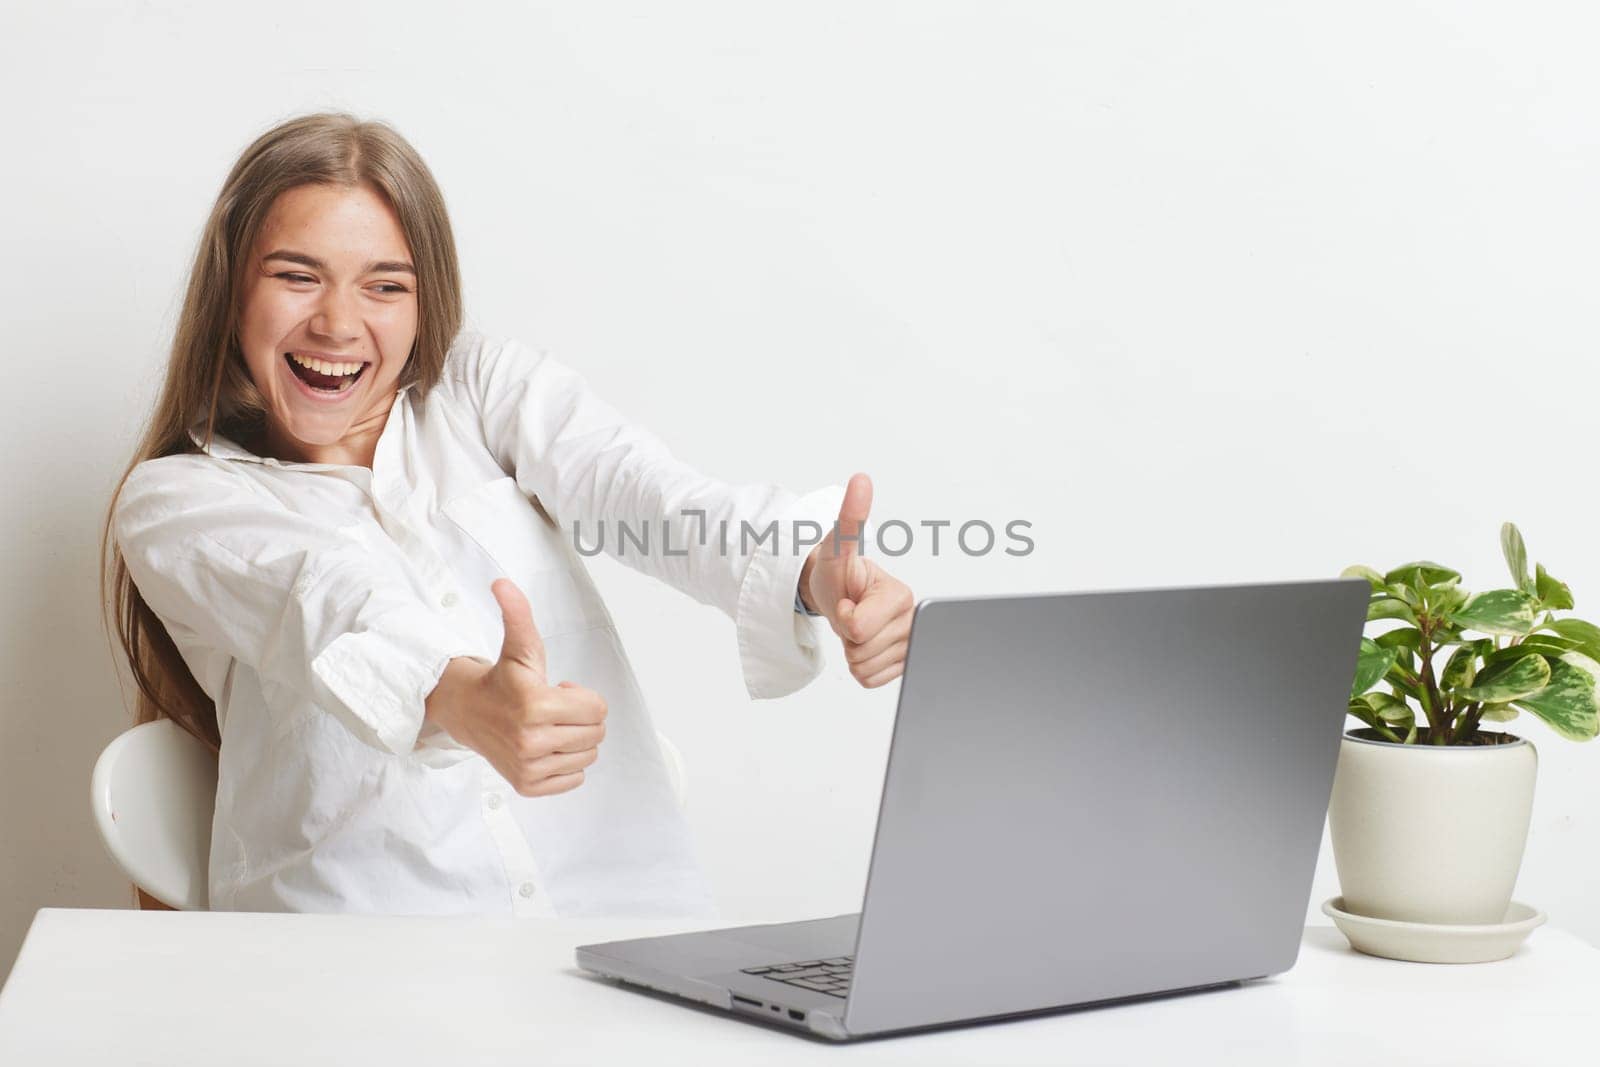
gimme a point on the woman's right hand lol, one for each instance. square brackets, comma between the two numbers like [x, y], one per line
[538, 736]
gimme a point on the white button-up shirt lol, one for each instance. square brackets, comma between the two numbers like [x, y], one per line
[318, 604]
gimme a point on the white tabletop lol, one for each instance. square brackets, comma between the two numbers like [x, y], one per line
[172, 988]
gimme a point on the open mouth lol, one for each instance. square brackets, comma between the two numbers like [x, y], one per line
[320, 381]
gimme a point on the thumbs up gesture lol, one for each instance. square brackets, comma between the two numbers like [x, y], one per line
[538, 736]
[867, 607]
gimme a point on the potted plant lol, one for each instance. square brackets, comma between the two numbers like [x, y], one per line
[1429, 817]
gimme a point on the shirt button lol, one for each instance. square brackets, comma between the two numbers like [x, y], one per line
[494, 800]
[448, 600]
[526, 889]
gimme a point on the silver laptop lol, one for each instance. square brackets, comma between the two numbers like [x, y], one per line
[1090, 798]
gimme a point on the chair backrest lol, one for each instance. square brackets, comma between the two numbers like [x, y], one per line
[154, 790]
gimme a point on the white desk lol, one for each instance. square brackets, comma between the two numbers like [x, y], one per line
[170, 988]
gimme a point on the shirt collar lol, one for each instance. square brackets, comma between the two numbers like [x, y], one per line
[225, 448]
[221, 447]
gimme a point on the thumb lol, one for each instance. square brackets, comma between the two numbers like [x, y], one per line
[853, 515]
[857, 577]
[857, 587]
[522, 642]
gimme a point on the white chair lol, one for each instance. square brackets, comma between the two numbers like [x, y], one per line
[153, 791]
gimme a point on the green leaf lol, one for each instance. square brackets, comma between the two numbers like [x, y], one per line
[1372, 662]
[1373, 578]
[1587, 634]
[1423, 572]
[1387, 708]
[1390, 608]
[1553, 595]
[1499, 712]
[1401, 591]
[1380, 710]
[1548, 645]
[1392, 711]
[1452, 599]
[1568, 703]
[1459, 669]
[1543, 644]
[1505, 682]
[1497, 611]
[1462, 667]
[1404, 637]
[1360, 710]
[1404, 681]
[1516, 556]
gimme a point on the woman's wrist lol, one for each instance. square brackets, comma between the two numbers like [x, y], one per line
[443, 705]
[805, 579]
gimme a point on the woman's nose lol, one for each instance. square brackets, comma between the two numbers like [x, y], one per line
[336, 316]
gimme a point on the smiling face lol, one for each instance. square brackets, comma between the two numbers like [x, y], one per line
[329, 283]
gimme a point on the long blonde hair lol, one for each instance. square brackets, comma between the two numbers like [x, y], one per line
[206, 377]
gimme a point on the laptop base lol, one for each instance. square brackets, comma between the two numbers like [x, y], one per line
[704, 967]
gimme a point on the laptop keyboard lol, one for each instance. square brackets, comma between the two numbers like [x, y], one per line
[830, 976]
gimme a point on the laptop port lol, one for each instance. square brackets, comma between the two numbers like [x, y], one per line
[797, 1015]
[746, 1000]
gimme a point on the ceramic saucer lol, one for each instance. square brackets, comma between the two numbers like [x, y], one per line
[1435, 942]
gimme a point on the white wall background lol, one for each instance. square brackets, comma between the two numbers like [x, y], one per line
[1207, 293]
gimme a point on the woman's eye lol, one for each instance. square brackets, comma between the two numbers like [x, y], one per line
[387, 288]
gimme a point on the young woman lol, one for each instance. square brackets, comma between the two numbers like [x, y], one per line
[348, 556]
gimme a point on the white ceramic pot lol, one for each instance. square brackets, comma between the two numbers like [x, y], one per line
[1430, 833]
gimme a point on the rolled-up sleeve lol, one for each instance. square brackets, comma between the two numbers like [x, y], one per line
[739, 547]
[227, 567]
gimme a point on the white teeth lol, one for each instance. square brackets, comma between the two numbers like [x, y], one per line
[322, 366]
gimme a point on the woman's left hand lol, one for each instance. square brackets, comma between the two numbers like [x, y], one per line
[869, 608]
